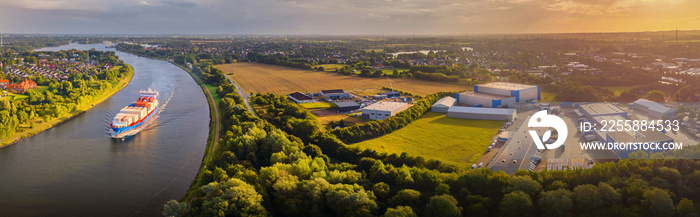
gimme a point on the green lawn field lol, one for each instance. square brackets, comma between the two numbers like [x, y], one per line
[41, 89]
[212, 89]
[331, 67]
[315, 105]
[455, 141]
[391, 71]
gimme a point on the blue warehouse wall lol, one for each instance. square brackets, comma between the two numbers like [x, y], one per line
[495, 103]
[516, 94]
[539, 90]
[476, 88]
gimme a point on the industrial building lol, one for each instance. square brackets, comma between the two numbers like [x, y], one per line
[498, 94]
[391, 94]
[335, 94]
[592, 110]
[382, 110]
[487, 100]
[654, 109]
[299, 97]
[639, 137]
[443, 104]
[345, 107]
[481, 113]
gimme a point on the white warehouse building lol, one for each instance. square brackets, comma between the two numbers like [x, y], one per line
[443, 104]
[655, 109]
[382, 110]
[482, 113]
[499, 94]
[487, 100]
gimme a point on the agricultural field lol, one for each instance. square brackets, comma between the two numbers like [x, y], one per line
[262, 78]
[368, 92]
[455, 141]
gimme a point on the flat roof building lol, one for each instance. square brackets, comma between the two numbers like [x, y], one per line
[382, 110]
[391, 94]
[443, 104]
[481, 113]
[487, 100]
[654, 109]
[498, 94]
[347, 106]
[521, 92]
[638, 137]
[601, 109]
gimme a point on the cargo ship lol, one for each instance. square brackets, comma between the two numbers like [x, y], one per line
[136, 116]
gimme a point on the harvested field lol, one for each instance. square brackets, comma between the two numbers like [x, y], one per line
[262, 78]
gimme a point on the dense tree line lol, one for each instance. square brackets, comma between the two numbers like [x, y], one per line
[281, 60]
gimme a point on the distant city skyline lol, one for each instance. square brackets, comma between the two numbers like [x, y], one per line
[336, 17]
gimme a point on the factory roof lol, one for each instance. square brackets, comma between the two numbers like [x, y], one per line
[447, 102]
[648, 136]
[385, 106]
[654, 106]
[480, 110]
[300, 96]
[332, 91]
[346, 104]
[507, 85]
[391, 93]
[485, 95]
[595, 109]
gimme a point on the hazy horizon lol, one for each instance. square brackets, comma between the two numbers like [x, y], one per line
[338, 17]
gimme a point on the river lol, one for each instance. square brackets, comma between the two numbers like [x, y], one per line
[76, 169]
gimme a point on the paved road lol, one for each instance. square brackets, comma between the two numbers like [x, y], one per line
[243, 94]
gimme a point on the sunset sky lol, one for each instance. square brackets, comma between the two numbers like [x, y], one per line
[345, 16]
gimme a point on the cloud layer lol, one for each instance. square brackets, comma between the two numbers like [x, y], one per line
[344, 16]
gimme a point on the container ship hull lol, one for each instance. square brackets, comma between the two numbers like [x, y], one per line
[136, 116]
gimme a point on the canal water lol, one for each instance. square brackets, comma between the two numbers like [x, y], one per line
[76, 169]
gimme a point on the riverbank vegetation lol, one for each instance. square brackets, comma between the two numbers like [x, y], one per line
[58, 100]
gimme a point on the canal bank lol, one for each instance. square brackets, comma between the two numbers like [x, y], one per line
[76, 169]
